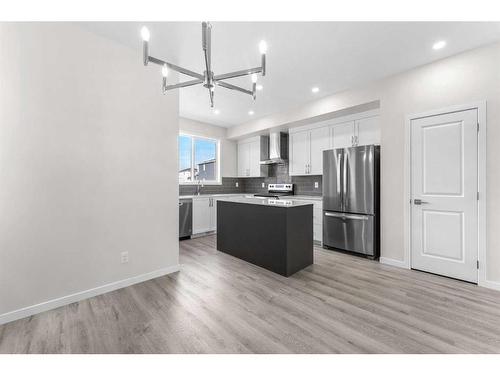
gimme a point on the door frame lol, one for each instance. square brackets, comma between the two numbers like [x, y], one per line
[480, 106]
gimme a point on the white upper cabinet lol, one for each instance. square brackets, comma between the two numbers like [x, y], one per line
[306, 150]
[307, 143]
[368, 131]
[243, 159]
[254, 156]
[343, 134]
[319, 141]
[298, 152]
[250, 152]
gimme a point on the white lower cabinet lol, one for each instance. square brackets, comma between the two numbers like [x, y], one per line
[205, 214]
[202, 214]
[317, 218]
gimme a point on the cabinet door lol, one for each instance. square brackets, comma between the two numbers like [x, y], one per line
[213, 215]
[319, 141]
[368, 131]
[299, 153]
[254, 159]
[342, 134]
[243, 159]
[201, 215]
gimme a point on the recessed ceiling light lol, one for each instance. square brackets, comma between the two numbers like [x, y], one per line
[251, 113]
[439, 45]
[216, 111]
[259, 87]
[315, 89]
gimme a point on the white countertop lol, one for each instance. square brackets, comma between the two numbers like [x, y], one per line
[211, 195]
[301, 197]
[282, 202]
[311, 197]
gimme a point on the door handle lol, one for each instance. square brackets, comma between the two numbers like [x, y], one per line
[180, 203]
[418, 202]
[347, 216]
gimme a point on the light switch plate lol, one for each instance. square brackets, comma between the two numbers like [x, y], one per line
[316, 184]
[236, 184]
[263, 184]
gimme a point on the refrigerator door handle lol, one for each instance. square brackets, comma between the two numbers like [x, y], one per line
[347, 216]
[344, 182]
[339, 180]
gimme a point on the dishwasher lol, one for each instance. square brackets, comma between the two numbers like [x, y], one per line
[185, 218]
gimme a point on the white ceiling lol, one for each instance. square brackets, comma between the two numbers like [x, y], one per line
[334, 56]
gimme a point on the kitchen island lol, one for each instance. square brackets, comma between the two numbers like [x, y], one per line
[276, 234]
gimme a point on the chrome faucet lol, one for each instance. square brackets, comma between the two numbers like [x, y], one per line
[198, 187]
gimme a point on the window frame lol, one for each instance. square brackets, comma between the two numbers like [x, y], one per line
[194, 137]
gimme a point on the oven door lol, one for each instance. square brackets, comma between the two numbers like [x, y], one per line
[351, 232]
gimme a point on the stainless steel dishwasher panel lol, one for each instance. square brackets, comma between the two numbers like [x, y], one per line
[185, 218]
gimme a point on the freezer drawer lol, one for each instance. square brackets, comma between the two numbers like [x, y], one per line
[351, 232]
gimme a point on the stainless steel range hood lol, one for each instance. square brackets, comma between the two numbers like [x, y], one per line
[278, 148]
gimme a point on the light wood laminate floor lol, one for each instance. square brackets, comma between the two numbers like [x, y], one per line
[220, 304]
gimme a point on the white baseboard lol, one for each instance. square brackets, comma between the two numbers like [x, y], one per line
[393, 262]
[490, 284]
[62, 301]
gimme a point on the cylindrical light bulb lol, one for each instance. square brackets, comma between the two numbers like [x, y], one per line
[263, 47]
[164, 70]
[145, 34]
[254, 78]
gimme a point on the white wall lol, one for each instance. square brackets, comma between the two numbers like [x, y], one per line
[461, 79]
[88, 165]
[228, 148]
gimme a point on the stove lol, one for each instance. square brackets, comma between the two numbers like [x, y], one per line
[276, 191]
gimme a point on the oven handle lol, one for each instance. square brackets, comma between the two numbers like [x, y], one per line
[347, 216]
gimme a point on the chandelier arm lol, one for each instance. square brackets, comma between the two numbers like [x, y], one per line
[184, 84]
[239, 73]
[177, 68]
[233, 87]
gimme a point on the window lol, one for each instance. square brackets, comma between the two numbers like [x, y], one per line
[198, 159]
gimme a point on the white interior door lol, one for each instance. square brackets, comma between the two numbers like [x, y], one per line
[299, 152]
[444, 178]
[320, 141]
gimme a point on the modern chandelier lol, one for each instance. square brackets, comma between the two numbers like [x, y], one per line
[208, 79]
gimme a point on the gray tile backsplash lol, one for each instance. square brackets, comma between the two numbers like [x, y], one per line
[304, 185]
[228, 186]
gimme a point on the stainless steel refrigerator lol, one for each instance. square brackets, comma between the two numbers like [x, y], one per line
[351, 199]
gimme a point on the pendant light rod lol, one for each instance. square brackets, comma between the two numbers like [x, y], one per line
[208, 79]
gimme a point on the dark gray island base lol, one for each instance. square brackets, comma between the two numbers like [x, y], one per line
[278, 238]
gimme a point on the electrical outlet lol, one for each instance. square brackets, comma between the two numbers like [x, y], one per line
[124, 257]
[236, 184]
[263, 184]
[316, 184]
